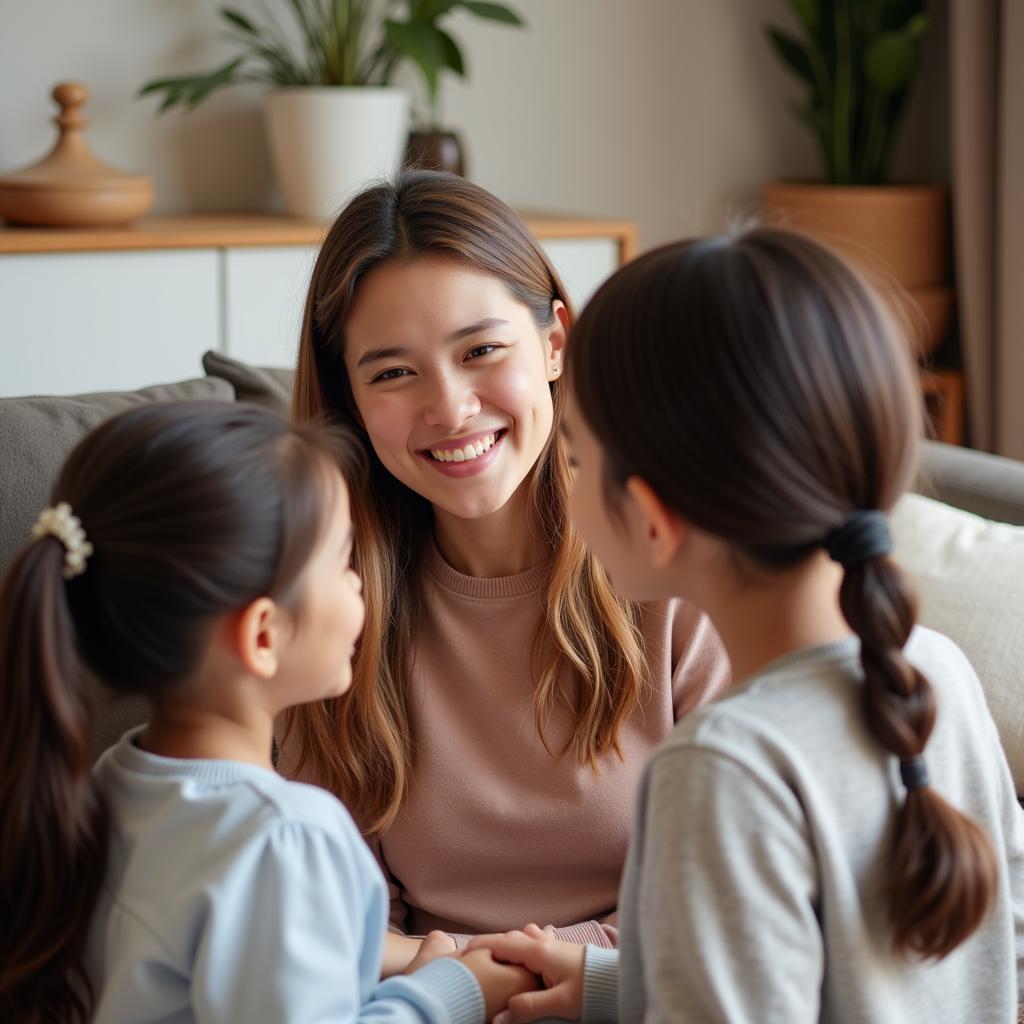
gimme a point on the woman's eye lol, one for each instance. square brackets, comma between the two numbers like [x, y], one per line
[481, 350]
[393, 374]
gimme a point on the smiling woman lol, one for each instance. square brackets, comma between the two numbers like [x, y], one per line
[504, 699]
[464, 363]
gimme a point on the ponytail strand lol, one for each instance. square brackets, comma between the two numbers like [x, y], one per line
[53, 822]
[944, 872]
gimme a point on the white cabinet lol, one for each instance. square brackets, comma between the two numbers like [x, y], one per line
[108, 321]
[118, 309]
[265, 291]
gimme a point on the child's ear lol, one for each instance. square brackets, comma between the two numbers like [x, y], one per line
[664, 530]
[256, 634]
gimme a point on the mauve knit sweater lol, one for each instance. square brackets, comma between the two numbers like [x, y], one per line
[496, 831]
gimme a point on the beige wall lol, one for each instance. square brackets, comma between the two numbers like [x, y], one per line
[667, 112]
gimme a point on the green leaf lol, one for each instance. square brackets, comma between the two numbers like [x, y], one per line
[890, 61]
[159, 85]
[809, 12]
[792, 53]
[190, 90]
[892, 15]
[172, 97]
[239, 21]
[491, 11]
[452, 53]
[310, 32]
[421, 44]
[916, 25]
[429, 11]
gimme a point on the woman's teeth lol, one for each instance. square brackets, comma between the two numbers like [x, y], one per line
[466, 454]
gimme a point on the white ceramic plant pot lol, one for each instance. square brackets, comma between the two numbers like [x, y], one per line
[328, 142]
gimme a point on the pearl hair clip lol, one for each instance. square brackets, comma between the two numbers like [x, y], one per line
[67, 528]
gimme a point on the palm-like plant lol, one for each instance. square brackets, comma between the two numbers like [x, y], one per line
[334, 42]
[857, 59]
[420, 38]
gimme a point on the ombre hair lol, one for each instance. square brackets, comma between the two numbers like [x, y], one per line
[587, 653]
[765, 392]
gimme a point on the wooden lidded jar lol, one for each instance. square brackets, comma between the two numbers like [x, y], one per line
[70, 187]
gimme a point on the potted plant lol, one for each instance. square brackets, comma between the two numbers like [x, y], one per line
[857, 60]
[435, 51]
[334, 120]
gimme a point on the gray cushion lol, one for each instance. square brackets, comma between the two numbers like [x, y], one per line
[270, 387]
[969, 572]
[36, 434]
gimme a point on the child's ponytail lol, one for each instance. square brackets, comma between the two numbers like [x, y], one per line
[944, 872]
[53, 823]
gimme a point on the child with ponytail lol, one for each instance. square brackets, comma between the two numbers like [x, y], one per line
[837, 838]
[199, 554]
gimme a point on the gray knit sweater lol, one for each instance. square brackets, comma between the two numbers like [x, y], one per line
[754, 885]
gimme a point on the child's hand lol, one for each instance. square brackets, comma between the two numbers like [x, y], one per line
[501, 984]
[559, 964]
[434, 944]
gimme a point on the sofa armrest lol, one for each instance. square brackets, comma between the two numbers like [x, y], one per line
[987, 485]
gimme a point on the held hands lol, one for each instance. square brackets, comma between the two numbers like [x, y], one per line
[502, 984]
[434, 944]
[559, 964]
[499, 982]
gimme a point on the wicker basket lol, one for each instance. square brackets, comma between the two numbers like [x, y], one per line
[900, 230]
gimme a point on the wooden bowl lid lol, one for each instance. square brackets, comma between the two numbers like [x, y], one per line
[70, 165]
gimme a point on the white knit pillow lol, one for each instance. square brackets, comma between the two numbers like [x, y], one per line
[970, 577]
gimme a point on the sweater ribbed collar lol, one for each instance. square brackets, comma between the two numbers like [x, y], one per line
[482, 587]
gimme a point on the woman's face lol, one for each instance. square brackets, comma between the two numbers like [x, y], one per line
[450, 376]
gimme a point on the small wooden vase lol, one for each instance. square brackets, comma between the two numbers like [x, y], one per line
[70, 187]
[436, 151]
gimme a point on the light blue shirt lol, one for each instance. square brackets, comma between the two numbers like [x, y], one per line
[234, 895]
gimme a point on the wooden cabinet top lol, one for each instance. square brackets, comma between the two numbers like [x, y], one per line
[215, 230]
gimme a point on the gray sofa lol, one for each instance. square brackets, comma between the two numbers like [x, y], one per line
[960, 535]
[987, 485]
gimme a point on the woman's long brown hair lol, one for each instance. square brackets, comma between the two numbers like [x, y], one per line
[760, 387]
[587, 653]
[193, 509]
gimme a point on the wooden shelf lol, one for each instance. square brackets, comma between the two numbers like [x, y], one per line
[191, 231]
[200, 230]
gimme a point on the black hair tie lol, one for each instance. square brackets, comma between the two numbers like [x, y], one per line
[864, 535]
[914, 772]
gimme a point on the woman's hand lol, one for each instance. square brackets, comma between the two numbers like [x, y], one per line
[559, 964]
[434, 944]
[400, 951]
[502, 984]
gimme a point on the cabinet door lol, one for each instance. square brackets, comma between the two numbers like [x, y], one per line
[105, 321]
[265, 290]
[582, 263]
